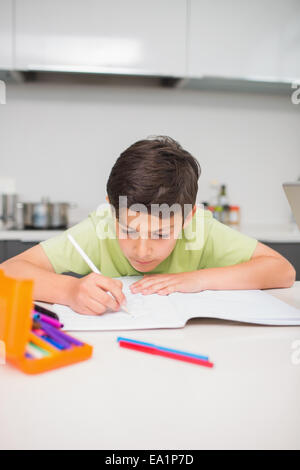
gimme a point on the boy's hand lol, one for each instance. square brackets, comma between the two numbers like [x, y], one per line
[164, 284]
[89, 295]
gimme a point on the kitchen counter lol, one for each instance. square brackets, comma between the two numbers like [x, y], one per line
[279, 233]
[28, 235]
[272, 233]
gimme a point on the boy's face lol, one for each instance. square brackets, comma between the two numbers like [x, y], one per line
[145, 239]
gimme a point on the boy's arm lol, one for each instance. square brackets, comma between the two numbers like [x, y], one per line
[34, 264]
[265, 270]
[87, 295]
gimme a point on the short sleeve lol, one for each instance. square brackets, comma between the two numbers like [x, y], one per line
[62, 254]
[225, 246]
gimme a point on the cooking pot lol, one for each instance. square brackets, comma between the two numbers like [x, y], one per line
[46, 215]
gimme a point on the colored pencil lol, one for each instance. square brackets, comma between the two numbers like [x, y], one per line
[60, 334]
[38, 331]
[36, 351]
[158, 352]
[46, 319]
[54, 334]
[161, 348]
[51, 341]
[42, 334]
[45, 311]
[28, 355]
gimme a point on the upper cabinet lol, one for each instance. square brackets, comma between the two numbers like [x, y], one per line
[6, 34]
[257, 39]
[115, 36]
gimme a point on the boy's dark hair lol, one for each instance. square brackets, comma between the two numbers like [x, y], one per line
[156, 170]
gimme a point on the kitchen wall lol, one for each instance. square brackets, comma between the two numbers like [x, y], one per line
[60, 139]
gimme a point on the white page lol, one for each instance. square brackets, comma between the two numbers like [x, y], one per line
[252, 306]
[174, 310]
[151, 311]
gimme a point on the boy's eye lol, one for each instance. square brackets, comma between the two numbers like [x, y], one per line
[159, 235]
[127, 231]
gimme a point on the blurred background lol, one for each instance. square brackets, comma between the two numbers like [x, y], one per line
[81, 80]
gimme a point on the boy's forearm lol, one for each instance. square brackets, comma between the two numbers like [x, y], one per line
[48, 286]
[263, 272]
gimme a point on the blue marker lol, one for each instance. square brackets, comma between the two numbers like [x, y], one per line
[54, 343]
[176, 351]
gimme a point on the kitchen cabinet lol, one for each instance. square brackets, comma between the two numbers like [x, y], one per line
[126, 37]
[2, 251]
[242, 39]
[6, 34]
[10, 248]
[15, 247]
[291, 251]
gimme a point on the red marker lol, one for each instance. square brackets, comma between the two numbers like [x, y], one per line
[170, 355]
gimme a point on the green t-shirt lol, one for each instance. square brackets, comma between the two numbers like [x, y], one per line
[205, 243]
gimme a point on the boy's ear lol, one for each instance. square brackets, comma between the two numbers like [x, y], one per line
[190, 216]
[107, 198]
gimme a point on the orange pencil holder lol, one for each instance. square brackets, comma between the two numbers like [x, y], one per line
[16, 305]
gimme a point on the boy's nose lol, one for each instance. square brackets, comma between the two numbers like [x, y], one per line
[142, 250]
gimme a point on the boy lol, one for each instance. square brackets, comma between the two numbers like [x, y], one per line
[180, 248]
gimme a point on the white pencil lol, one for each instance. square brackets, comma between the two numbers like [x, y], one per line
[88, 261]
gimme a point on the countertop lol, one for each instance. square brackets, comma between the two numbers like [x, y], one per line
[272, 233]
[288, 233]
[28, 235]
[122, 399]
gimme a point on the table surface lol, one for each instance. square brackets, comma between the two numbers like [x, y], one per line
[122, 399]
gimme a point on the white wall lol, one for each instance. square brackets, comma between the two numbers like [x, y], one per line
[61, 140]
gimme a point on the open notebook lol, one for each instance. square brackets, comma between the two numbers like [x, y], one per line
[174, 310]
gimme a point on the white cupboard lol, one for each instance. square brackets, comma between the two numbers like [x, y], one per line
[115, 36]
[6, 34]
[257, 39]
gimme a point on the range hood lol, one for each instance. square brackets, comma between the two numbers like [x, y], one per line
[256, 85]
[210, 83]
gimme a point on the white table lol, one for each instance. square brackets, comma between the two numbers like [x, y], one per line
[123, 399]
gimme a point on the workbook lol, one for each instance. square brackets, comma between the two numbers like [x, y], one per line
[174, 310]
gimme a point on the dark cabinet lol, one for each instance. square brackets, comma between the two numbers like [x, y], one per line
[2, 251]
[10, 248]
[290, 251]
[15, 247]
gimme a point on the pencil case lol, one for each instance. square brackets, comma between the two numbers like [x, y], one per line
[16, 306]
